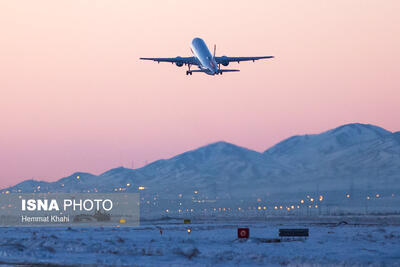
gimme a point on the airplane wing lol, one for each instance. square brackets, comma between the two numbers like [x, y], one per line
[224, 60]
[180, 61]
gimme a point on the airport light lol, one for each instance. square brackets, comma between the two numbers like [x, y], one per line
[292, 207]
[77, 177]
[368, 197]
[312, 200]
[128, 184]
[141, 187]
[276, 207]
[377, 195]
[195, 191]
[321, 198]
[265, 207]
[348, 195]
[316, 206]
[301, 201]
[259, 208]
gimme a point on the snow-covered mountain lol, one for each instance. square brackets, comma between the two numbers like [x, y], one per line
[350, 155]
[307, 149]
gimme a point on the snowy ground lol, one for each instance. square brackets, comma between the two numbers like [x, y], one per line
[209, 244]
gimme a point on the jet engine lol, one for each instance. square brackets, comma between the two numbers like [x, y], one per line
[223, 62]
[179, 64]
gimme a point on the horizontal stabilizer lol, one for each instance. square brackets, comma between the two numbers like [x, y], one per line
[228, 70]
[207, 71]
[198, 71]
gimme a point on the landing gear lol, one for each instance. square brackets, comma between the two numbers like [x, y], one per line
[188, 71]
[219, 69]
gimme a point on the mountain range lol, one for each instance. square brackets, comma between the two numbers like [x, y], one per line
[350, 156]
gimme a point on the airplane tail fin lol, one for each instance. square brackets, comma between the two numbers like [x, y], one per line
[215, 49]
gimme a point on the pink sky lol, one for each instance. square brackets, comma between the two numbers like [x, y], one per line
[75, 97]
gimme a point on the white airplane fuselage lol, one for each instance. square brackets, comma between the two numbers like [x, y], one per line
[202, 58]
[202, 53]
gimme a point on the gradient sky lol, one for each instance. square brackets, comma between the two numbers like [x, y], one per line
[75, 97]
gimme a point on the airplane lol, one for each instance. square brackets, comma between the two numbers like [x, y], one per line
[207, 63]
